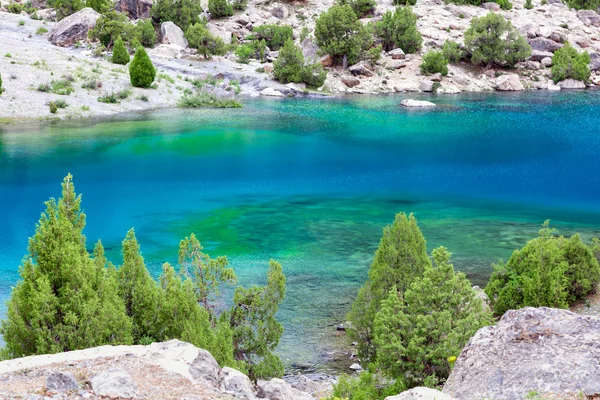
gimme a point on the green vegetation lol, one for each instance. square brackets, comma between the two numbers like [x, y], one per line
[399, 29]
[64, 8]
[53, 107]
[434, 62]
[220, 8]
[584, 4]
[41, 30]
[99, 5]
[528, 5]
[361, 8]
[120, 53]
[68, 299]
[1, 88]
[92, 84]
[113, 24]
[144, 33]
[141, 70]
[504, 4]
[204, 99]
[549, 271]
[274, 36]
[290, 67]
[404, 2]
[61, 86]
[339, 33]
[21, 22]
[493, 40]
[452, 51]
[107, 98]
[183, 13]
[201, 39]
[253, 49]
[567, 63]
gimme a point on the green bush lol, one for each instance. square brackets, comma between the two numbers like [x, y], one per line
[434, 62]
[361, 8]
[1, 88]
[64, 8]
[528, 5]
[400, 259]
[53, 107]
[239, 5]
[493, 40]
[452, 51]
[41, 30]
[274, 36]
[183, 13]
[120, 54]
[418, 330]
[220, 8]
[314, 75]
[365, 386]
[107, 98]
[567, 63]
[141, 70]
[504, 4]
[404, 2]
[144, 33]
[339, 33]
[110, 26]
[584, 4]
[200, 38]
[289, 64]
[203, 99]
[61, 86]
[399, 29]
[99, 5]
[549, 271]
[255, 49]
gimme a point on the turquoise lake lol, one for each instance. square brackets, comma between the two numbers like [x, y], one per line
[312, 183]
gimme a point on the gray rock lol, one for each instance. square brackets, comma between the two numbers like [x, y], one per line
[589, 17]
[420, 393]
[416, 103]
[205, 368]
[537, 55]
[280, 11]
[595, 61]
[114, 383]
[224, 34]
[426, 86]
[47, 14]
[310, 51]
[397, 54]
[167, 51]
[436, 77]
[351, 81]
[509, 83]
[236, 382]
[73, 28]
[318, 389]
[356, 367]
[546, 62]
[543, 44]
[278, 389]
[491, 6]
[135, 9]
[571, 84]
[270, 92]
[532, 65]
[545, 350]
[59, 381]
[172, 34]
[360, 68]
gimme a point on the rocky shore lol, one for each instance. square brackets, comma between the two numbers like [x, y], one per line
[36, 52]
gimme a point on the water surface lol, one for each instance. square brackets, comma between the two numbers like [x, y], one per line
[312, 183]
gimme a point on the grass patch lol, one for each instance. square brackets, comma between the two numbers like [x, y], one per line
[92, 84]
[142, 98]
[8, 55]
[108, 98]
[166, 78]
[61, 86]
[123, 94]
[41, 30]
[207, 100]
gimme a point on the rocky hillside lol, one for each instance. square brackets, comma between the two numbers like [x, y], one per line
[161, 371]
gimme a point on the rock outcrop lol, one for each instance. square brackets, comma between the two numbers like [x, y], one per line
[173, 370]
[543, 350]
[172, 34]
[73, 28]
[571, 84]
[135, 9]
[509, 83]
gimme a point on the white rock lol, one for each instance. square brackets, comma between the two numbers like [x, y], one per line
[172, 34]
[415, 103]
[167, 51]
[552, 87]
[205, 368]
[234, 381]
[114, 383]
[420, 393]
[571, 84]
[509, 82]
[356, 367]
[271, 92]
[278, 389]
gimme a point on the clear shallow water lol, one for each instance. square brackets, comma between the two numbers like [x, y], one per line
[311, 183]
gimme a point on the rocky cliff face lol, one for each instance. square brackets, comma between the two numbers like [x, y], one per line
[541, 350]
[170, 370]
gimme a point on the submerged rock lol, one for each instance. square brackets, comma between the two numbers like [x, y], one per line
[416, 103]
[545, 350]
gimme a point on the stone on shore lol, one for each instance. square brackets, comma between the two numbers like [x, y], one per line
[416, 103]
[271, 92]
[420, 393]
[571, 84]
[397, 54]
[278, 389]
[73, 28]
[172, 34]
[509, 83]
[543, 350]
[167, 51]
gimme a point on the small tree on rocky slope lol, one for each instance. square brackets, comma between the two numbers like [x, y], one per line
[141, 70]
[399, 29]
[120, 53]
[492, 39]
[201, 39]
[567, 63]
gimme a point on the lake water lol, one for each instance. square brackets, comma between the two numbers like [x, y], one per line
[312, 183]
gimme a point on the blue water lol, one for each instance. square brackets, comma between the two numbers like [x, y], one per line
[312, 183]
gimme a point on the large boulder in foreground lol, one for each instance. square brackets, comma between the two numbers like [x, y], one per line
[543, 350]
[135, 9]
[73, 28]
[571, 84]
[172, 34]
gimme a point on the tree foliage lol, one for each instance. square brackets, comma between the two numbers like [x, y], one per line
[416, 332]
[551, 271]
[339, 33]
[584, 4]
[183, 13]
[361, 8]
[141, 70]
[452, 51]
[99, 5]
[144, 33]
[492, 39]
[399, 29]
[120, 54]
[110, 26]
[434, 62]
[400, 259]
[220, 8]
[275, 36]
[64, 8]
[567, 63]
[290, 67]
[201, 39]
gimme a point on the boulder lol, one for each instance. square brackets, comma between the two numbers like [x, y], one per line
[397, 54]
[310, 51]
[491, 6]
[532, 65]
[449, 90]
[356, 367]
[361, 68]
[326, 60]
[73, 28]
[543, 350]
[426, 86]
[172, 34]
[552, 87]
[589, 17]
[398, 64]
[114, 384]
[406, 87]
[420, 393]
[546, 62]
[537, 55]
[437, 77]
[543, 44]
[224, 34]
[135, 9]
[236, 382]
[571, 84]
[205, 368]
[59, 381]
[279, 11]
[416, 103]
[351, 81]
[47, 14]
[595, 61]
[271, 92]
[278, 389]
[167, 51]
[509, 83]
[318, 389]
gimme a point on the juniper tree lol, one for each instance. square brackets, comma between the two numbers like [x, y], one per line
[141, 70]
[120, 54]
[568, 63]
[399, 30]
[201, 39]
